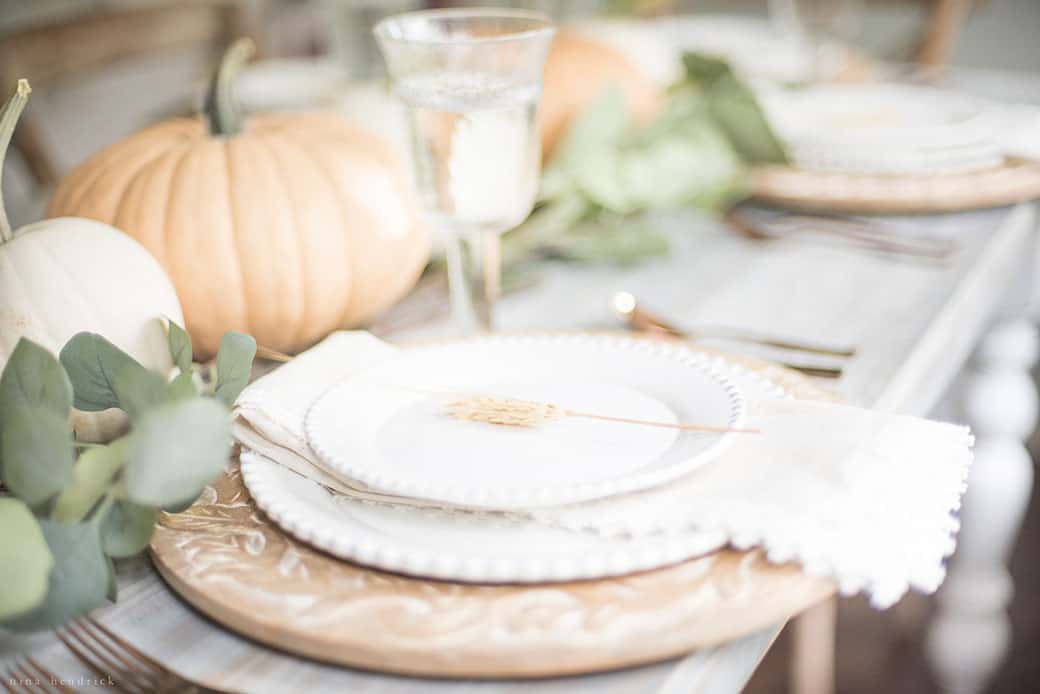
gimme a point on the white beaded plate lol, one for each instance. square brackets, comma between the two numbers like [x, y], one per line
[384, 430]
[485, 547]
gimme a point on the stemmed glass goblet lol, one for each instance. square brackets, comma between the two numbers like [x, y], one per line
[471, 80]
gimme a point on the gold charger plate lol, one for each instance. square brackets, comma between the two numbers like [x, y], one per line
[233, 564]
[1014, 182]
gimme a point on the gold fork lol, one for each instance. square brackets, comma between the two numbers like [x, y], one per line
[126, 668]
[27, 675]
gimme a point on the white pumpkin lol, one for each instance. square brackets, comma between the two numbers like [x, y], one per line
[62, 276]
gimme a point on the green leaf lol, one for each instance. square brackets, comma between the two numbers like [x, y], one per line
[599, 126]
[25, 560]
[92, 362]
[36, 447]
[544, 228]
[705, 69]
[735, 109]
[622, 240]
[79, 581]
[92, 476]
[180, 346]
[599, 175]
[112, 591]
[179, 506]
[127, 529]
[181, 387]
[177, 449]
[33, 377]
[234, 364]
[138, 389]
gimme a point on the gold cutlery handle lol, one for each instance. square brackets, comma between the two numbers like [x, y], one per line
[626, 307]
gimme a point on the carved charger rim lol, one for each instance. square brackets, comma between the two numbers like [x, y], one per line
[225, 558]
[1012, 182]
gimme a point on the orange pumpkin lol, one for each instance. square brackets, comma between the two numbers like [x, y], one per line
[287, 226]
[583, 63]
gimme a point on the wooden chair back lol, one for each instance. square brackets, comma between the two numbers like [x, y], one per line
[73, 47]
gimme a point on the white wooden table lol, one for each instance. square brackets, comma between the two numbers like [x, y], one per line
[915, 327]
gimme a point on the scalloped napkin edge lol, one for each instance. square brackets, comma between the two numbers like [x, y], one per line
[867, 498]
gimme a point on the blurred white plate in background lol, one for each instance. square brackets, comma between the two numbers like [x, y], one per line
[883, 128]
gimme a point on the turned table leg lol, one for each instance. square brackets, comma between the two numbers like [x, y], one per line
[812, 668]
[969, 636]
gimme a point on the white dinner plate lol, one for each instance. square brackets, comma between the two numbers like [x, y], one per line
[473, 547]
[385, 430]
[878, 114]
[883, 128]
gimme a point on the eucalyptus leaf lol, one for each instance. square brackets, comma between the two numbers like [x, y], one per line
[79, 581]
[180, 346]
[234, 364]
[599, 126]
[92, 476]
[705, 69]
[179, 506]
[127, 529]
[181, 387]
[600, 176]
[92, 362]
[25, 560]
[621, 240]
[735, 109]
[112, 591]
[175, 450]
[544, 228]
[34, 377]
[36, 447]
[683, 168]
[137, 389]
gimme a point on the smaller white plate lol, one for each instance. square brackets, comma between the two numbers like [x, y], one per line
[471, 547]
[383, 429]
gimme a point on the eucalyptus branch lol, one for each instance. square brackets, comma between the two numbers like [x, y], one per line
[76, 506]
[102, 509]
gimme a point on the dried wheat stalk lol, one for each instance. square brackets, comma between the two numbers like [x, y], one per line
[530, 413]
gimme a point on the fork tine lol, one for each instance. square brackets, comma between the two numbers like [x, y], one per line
[106, 647]
[47, 675]
[127, 648]
[28, 680]
[15, 675]
[96, 662]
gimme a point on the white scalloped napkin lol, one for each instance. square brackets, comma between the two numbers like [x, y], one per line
[865, 497]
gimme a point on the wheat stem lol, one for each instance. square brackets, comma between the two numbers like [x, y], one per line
[529, 413]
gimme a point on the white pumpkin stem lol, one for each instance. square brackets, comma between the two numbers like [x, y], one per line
[220, 108]
[8, 119]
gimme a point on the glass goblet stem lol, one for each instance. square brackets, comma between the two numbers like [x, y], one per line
[475, 280]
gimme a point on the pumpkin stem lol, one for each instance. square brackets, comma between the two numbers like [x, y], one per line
[220, 109]
[8, 119]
